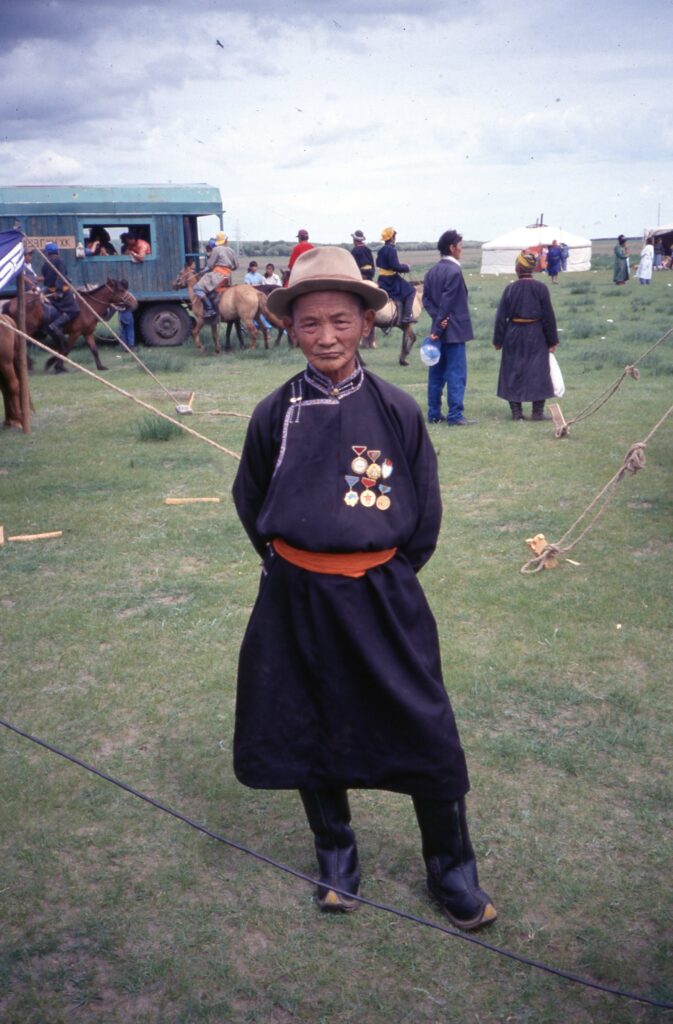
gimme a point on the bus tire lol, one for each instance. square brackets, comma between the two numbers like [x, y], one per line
[165, 324]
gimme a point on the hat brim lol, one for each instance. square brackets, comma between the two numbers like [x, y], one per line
[281, 299]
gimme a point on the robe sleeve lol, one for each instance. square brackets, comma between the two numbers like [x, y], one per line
[501, 318]
[548, 320]
[256, 470]
[423, 462]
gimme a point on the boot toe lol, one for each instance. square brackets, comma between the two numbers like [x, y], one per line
[486, 914]
[331, 901]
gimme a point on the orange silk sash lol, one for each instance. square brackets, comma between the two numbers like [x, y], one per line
[353, 564]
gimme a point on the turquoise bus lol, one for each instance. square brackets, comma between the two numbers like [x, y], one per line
[166, 217]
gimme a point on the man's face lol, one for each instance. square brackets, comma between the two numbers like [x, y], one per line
[456, 250]
[328, 327]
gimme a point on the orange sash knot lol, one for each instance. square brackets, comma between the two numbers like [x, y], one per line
[353, 563]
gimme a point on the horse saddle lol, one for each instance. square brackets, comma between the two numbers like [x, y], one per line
[390, 316]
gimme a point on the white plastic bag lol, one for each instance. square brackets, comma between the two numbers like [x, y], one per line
[556, 376]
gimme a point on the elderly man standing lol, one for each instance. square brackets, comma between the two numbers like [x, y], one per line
[445, 299]
[340, 682]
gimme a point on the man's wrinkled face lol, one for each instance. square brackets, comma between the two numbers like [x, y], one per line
[328, 327]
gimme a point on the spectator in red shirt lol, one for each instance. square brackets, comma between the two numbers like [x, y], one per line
[303, 245]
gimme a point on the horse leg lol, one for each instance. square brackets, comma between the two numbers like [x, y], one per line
[91, 343]
[215, 331]
[196, 333]
[11, 394]
[227, 336]
[239, 332]
[252, 331]
[408, 339]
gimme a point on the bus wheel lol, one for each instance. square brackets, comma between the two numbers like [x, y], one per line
[165, 323]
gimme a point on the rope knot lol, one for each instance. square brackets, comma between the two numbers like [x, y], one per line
[635, 458]
[546, 554]
[632, 371]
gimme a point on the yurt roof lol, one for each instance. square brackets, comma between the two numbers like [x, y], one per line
[522, 238]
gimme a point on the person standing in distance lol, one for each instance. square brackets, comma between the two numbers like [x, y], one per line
[445, 299]
[303, 245]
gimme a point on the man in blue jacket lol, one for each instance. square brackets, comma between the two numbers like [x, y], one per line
[445, 299]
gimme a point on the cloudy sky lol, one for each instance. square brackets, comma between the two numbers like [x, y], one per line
[421, 114]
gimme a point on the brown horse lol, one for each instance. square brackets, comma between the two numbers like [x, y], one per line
[235, 303]
[9, 373]
[102, 300]
[389, 317]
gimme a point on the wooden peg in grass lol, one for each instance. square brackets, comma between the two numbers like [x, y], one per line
[561, 428]
[191, 501]
[23, 537]
[185, 409]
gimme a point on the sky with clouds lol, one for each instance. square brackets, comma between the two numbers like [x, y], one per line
[420, 114]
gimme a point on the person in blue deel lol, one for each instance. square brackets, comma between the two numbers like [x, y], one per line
[339, 679]
[59, 294]
[390, 275]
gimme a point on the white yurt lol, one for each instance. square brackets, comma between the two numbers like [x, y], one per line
[498, 256]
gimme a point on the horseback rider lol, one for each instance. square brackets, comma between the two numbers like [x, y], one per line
[60, 294]
[220, 263]
[390, 279]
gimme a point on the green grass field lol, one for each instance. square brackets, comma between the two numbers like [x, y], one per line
[119, 644]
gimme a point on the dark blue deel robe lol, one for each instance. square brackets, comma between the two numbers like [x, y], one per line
[340, 681]
[524, 368]
[394, 284]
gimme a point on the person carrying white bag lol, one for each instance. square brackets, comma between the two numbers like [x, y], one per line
[525, 332]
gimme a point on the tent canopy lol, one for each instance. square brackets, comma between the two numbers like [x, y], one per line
[665, 233]
[498, 256]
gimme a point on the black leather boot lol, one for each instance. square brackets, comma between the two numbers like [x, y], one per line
[329, 816]
[407, 316]
[209, 310]
[451, 863]
[538, 413]
[517, 410]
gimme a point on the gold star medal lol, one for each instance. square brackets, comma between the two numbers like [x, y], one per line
[368, 498]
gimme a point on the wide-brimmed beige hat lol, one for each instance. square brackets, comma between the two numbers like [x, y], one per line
[325, 269]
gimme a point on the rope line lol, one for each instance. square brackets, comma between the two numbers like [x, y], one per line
[375, 905]
[634, 460]
[112, 331]
[628, 371]
[127, 394]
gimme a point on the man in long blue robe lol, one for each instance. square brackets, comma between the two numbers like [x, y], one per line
[340, 681]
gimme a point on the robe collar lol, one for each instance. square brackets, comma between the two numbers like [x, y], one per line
[327, 387]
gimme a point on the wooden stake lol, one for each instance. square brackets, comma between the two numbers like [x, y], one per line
[560, 425]
[190, 501]
[28, 536]
[23, 355]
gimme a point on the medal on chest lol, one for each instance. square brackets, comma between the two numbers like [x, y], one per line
[368, 472]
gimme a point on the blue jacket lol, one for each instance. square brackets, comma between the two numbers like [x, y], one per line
[445, 295]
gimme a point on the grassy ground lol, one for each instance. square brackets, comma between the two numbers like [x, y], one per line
[119, 644]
